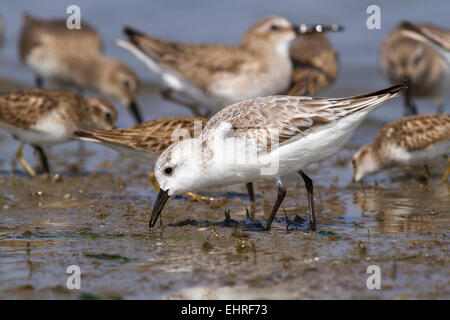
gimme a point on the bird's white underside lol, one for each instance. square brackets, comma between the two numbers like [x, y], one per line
[48, 130]
[403, 157]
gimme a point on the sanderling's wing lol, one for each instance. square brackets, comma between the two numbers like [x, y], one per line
[195, 63]
[428, 33]
[152, 136]
[415, 132]
[281, 118]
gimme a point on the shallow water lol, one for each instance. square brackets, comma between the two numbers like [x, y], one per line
[96, 215]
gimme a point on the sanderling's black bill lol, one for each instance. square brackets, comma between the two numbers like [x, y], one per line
[163, 196]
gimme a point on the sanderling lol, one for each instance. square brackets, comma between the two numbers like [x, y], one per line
[207, 77]
[146, 141]
[287, 132]
[74, 57]
[45, 117]
[404, 59]
[315, 64]
[412, 140]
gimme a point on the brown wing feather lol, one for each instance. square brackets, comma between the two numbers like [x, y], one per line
[153, 136]
[415, 132]
[24, 108]
[196, 63]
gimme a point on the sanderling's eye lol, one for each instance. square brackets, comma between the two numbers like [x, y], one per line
[109, 117]
[274, 28]
[354, 163]
[168, 171]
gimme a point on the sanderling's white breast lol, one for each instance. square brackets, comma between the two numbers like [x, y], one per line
[278, 135]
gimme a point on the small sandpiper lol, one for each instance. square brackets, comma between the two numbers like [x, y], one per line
[408, 60]
[46, 117]
[408, 141]
[264, 138]
[208, 77]
[74, 57]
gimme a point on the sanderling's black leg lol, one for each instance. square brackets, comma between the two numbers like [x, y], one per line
[251, 195]
[280, 197]
[42, 158]
[312, 212]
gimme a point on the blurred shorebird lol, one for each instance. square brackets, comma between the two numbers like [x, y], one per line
[46, 117]
[412, 140]
[208, 77]
[315, 64]
[411, 61]
[288, 131]
[74, 57]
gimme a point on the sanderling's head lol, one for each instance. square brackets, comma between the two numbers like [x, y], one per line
[177, 170]
[102, 114]
[273, 30]
[121, 83]
[364, 163]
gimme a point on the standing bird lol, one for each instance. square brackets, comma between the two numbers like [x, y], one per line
[264, 138]
[46, 117]
[74, 57]
[315, 64]
[208, 77]
[407, 60]
[412, 140]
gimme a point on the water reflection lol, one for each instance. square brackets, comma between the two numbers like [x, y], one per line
[405, 207]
